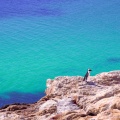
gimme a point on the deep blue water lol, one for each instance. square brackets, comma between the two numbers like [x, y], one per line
[43, 39]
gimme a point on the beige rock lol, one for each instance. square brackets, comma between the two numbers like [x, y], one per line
[66, 105]
[7, 116]
[69, 98]
[113, 114]
[103, 105]
[47, 110]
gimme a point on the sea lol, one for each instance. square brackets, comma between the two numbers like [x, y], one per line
[42, 39]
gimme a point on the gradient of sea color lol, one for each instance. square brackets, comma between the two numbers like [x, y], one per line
[41, 39]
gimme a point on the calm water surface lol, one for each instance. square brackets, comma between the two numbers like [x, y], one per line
[43, 39]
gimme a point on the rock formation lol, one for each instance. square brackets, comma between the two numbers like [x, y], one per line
[70, 98]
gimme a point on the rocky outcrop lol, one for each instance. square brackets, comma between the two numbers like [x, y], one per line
[69, 98]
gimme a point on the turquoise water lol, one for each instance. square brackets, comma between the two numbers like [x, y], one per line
[45, 39]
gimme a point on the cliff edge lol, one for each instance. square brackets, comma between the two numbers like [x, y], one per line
[70, 98]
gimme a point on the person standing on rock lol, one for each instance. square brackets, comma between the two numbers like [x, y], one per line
[87, 75]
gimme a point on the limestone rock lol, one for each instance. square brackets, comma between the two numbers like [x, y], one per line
[70, 98]
[66, 105]
[49, 106]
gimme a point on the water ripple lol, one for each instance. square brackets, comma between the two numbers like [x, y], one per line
[27, 8]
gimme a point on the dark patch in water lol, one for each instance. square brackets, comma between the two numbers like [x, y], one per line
[17, 97]
[113, 60]
[11, 8]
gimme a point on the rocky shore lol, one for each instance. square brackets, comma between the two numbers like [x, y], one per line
[69, 98]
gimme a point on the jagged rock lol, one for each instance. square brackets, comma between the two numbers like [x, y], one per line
[8, 116]
[49, 106]
[107, 78]
[70, 98]
[112, 114]
[66, 105]
[103, 105]
[16, 107]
